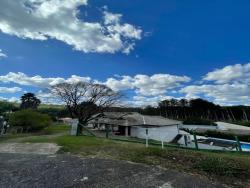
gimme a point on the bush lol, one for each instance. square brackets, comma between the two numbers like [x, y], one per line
[29, 120]
[198, 121]
[6, 107]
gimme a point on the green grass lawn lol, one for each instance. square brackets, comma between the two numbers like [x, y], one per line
[230, 168]
[56, 128]
[6, 138]
[226, 167]
[53, 130]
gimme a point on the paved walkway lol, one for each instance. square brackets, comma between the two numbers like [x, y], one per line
[65, 170]
[29, 148]
[31, 165]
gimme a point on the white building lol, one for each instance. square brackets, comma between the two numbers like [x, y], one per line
[137, 125]
[156, 128]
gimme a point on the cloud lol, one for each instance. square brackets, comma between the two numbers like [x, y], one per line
[143, 90]
[58, 19]
[38, 81]
[2, 55]
[110, 18]
[11, 99]
[229, 85]
[145, 85]
[48, 98]
[156, 84]
[143, 101]
[231, 73]
[148, 89]
[223, 93]
[10, 89]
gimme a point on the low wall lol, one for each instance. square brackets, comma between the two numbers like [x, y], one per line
[166, 133]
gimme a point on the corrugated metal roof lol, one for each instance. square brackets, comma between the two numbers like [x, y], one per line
[132, 119]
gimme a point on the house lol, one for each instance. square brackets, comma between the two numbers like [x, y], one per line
[137, 125]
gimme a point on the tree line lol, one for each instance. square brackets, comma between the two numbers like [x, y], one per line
[82, 100]
[200, 108]
[195, 108]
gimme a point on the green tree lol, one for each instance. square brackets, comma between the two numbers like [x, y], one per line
[29, 101]
[29, 120]
[6, 107]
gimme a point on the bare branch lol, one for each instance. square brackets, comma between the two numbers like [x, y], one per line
[85, 99]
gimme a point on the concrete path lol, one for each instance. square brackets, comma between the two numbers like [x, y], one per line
[65, 170]
[29, 148]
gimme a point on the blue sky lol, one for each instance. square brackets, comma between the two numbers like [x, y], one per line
[149, 50]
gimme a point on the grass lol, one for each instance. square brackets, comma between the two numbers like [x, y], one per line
[230, 168]
[42, 106]
[226, 167]
[56, 128]
[6, 138]
[220, 166]
[52, 130]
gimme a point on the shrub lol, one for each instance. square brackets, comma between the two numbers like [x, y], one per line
[6, 107]
[29, 120]
[198, 121]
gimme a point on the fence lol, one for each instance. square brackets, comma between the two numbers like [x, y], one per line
[107, 135]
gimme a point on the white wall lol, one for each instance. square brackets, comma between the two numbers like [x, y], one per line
[167, 133]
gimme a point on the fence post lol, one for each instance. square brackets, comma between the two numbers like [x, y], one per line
[78, 130]
[185, 140]
[107, 131]
[146, 137]
[238, 144]
[74, 131]
[195, 141]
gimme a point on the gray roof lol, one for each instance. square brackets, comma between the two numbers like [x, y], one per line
[132, 119]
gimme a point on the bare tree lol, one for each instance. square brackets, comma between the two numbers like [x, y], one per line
[83, 99]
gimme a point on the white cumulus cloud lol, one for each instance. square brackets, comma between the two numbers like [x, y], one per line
[228, 85]
[11, 99]
[2, 55]
[38, 81]
[58, 19]
[143, 101]
[10, 89]
[148, 90]
[156, 84]
[230, 73]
